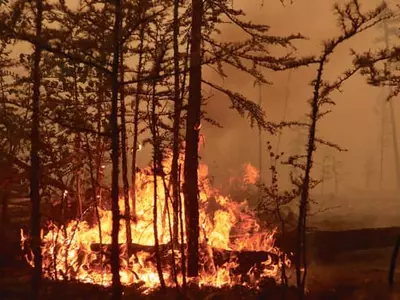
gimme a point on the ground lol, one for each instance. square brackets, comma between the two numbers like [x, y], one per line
[351, 275]
[355, 276]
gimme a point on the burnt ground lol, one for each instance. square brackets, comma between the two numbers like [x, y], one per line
[354, 275]
[334, 282]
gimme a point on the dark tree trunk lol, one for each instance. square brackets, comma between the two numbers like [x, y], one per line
[99, 144]
[94, 195]
[35, 160]
[156, 166]
[115, 265]
[192, 139]
[125, 160]
[78, 154]
[176, 128]
[301, 255]
[136, 115]
[181, 227]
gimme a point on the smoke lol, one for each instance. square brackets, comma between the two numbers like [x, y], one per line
[354, 124]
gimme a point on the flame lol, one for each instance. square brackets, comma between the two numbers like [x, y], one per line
[225, 225]
[251, 174]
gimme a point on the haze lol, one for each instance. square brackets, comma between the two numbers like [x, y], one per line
[354, 124]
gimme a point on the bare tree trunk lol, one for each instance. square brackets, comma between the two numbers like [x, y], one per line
[156, 162]
[181, 226]
[301, 257]
[99, 144]
[125, 162]
[78, 177]
[115, 265]
[78, 155]
[176, 128]
[155, 229]
[192, 139]
[94, 195]
[167, 213]
[136, 119]
[35, 160]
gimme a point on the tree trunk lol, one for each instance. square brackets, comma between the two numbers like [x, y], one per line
[136, 117]
[301, 257]
[78, 156]
[99, 144]
[94, 195]
[156, 167]
[181, 227]
[115, 265]
[192, 139]
[78, 178]
[125, 160]
[176, 128]
[35, 160]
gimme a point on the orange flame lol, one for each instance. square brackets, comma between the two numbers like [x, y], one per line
[225, 224]
[251, 174]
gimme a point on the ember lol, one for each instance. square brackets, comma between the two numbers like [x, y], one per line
[76, 251]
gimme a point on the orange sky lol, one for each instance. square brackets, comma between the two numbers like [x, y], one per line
[355, 121]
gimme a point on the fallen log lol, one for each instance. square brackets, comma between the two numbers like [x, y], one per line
[245, 260]
[322, 246]
[134, 248]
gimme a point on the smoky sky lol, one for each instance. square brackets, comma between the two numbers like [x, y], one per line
[355, 121]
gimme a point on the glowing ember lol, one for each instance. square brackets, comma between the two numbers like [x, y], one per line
[226, 227]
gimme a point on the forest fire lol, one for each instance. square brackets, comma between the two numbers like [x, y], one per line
[234, 248]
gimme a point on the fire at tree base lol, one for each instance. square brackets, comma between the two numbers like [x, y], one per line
[234, 249]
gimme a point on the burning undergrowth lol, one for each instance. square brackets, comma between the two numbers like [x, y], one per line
[234, 249]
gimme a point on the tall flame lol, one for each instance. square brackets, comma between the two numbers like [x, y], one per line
[74, 252]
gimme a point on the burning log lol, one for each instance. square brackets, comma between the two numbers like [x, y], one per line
[137, 250]
[324, 245]
[133, 247]
[245, 260]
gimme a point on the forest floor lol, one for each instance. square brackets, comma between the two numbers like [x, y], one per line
[351, 275]
[360, 275]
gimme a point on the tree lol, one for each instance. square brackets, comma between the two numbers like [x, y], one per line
[352, 22]
[192, 140]
[250, 56]
[116, 281]
[35, 160]
[141, 9]
[176, 123]
[385, 76]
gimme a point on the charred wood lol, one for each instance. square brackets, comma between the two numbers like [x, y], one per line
[246, 260]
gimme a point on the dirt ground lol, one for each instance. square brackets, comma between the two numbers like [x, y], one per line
[352, 275]
[360, 275]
